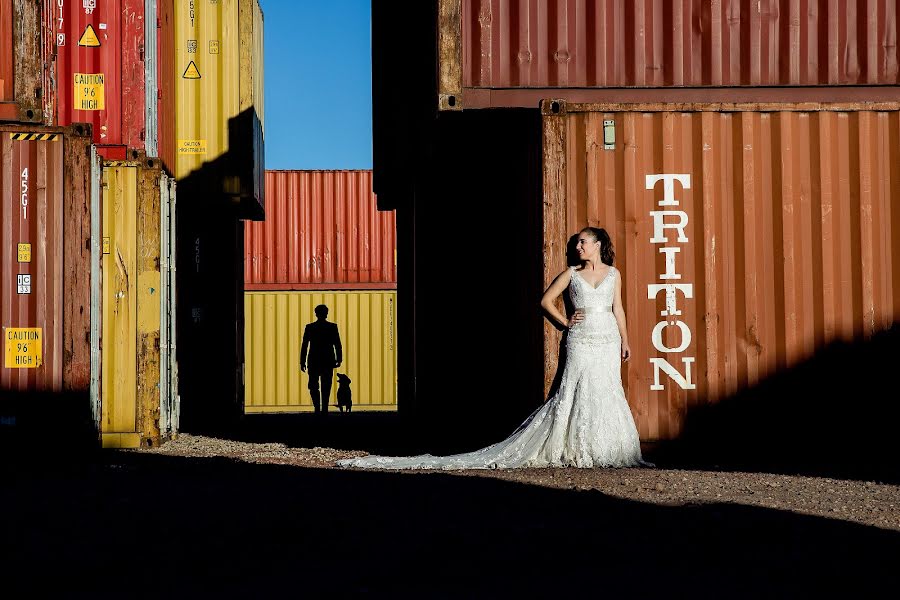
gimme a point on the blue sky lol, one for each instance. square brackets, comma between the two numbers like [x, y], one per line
[318, 77]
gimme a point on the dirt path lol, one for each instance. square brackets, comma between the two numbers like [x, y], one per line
[862, 502]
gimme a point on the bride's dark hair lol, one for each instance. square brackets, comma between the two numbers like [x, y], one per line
[607, 254]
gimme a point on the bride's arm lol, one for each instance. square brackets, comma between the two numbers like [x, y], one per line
[619, 312]
[548, 301]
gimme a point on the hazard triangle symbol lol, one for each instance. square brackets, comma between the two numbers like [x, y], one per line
[89, 38]
[192, 72]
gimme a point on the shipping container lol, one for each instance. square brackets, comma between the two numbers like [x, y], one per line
[274, 333]
[219, 99]
[45, 287]
[514, 52]
[23, 79]
[138, 407]
[748, 237]
[322, 230]
[108, 72]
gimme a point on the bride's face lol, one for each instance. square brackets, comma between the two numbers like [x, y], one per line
[588, 248]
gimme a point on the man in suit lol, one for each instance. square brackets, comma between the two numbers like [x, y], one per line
[322, 344]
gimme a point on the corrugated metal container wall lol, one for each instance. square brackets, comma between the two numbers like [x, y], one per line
[322, 230]
[134, 381]
[45, 237]
[108, 70]
[99, 55]
[218, 96]
[776, 232]
[667, 43]
[165, 49]
[22, 76]
[275, 323]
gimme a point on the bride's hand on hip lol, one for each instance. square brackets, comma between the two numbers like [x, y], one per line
[626, 351]
[577, 317]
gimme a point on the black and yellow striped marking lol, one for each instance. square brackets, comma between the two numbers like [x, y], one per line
[34, 137]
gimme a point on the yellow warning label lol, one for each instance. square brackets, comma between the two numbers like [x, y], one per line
[191, 72]
[105, 245]
[90, 91]
[89, 38]
[24, 253]
[191, 146]
[23, 348]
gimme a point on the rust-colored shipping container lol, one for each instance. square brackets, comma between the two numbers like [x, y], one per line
[322, 231]
[513, 52]
[748, 237]
[45, 268]
[107, 70]
[22, 51]
[165, 82]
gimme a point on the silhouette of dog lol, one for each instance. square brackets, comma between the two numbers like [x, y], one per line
[344, 394]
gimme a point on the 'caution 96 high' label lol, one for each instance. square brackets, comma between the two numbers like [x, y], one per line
[23, 347]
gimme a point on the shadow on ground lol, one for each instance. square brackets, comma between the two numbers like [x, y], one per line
[151, 525]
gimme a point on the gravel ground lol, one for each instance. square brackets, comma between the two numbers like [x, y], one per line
[862, 502]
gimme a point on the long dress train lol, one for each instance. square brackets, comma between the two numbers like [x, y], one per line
[587, 423]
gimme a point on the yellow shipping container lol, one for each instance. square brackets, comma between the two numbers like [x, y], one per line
[138, 399]
[219, 97]
[274, 333]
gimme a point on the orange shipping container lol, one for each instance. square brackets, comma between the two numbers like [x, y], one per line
[748, 237]
[322, 231]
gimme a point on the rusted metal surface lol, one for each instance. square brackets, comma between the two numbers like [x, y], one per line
[322, 231]
[790, 240]
[134, 381]
[532, 97]
[44, 259]
[22, 74]
[676, 43]
[165, 48]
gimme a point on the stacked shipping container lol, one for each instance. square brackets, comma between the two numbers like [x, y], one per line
[323, 242]
[773, 123]
[219, 113]
[87, 239]
[109, 72]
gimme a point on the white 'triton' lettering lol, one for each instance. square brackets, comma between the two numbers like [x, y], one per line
[677, 220]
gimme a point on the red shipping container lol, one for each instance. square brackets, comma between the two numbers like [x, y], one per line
[322, 231]
[106, 68]
[517, 52]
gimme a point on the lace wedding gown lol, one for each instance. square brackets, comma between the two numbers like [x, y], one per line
[586, 424]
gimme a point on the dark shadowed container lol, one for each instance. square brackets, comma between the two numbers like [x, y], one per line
[322, 230]
[45, 240]
[22, 52]
[513, 52]
[750, 239]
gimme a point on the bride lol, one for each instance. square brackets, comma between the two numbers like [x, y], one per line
[587, 423]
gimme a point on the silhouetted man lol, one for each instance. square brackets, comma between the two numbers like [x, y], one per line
[323, 342]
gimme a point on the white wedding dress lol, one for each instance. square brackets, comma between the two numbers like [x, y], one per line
[586, 424]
